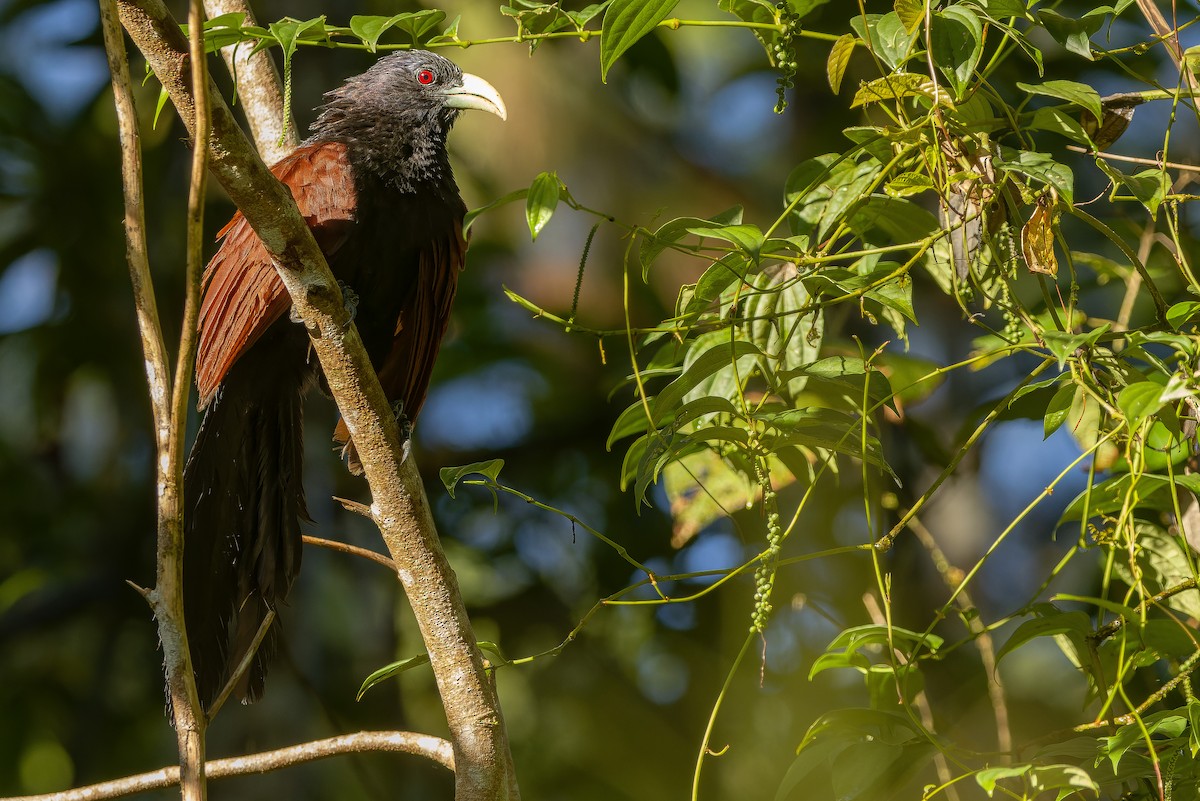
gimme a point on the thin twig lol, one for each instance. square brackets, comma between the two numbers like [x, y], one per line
[1185, 670]
[983, 638]
[1109, 629]
[1173, 165]
[243, 665]
[354, 550]
[920, 701]
[403, 742]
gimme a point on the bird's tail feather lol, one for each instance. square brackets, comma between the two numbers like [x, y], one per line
[244, 502]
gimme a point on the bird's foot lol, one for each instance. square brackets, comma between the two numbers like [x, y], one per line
[406, 428]
[402, 421]
[350, 301]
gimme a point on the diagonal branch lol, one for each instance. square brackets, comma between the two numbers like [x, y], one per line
[402, 742]
[399, 507]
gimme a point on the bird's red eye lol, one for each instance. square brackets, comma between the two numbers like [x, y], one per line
[425, 76]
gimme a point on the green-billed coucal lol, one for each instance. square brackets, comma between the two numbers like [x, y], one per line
[374, 184]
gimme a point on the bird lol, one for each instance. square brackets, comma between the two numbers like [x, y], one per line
[374, 184]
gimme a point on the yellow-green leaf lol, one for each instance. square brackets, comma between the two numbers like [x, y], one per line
[839, 59]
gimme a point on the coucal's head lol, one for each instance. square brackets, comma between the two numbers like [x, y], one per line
[401, 108]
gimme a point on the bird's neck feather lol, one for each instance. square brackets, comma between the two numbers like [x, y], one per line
[405, 152]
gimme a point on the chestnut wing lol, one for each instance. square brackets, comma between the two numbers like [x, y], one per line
[243, 295]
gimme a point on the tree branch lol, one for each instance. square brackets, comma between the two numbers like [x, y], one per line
[399, 507]
[170, 415]
[402, 742]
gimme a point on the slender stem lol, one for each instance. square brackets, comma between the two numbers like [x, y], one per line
[885, 542]
[983, 638]
[583, 35]
[712, 718]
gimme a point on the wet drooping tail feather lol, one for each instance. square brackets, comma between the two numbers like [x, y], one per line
[244, 504]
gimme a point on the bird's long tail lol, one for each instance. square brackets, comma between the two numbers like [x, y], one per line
[244, 499]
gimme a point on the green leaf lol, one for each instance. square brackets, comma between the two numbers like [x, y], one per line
[911, 378]
[1041, 168]
[896, 87]
[797, 782]
[541, 202]
[388, 671]
[839, 60]
[163, 97]
[370, 28]
[1111, 495]
[957, 41]
[883, 220]
[1148, 186]
[782, 326]
[1139, 401]
[748, 238]
[703, 487]
[586, 14]
[223, 30]
[1064, 345]
[822, 191]
[910, 14]
[848, 378]
[1058, 121]
[417, 23]
[988, 777]
[1002, 9]
[626, 21]
[1193, 711]
[872, 636]
[696, 370]
[1073, 33]
[720, 275]
[908, 183]
[1168, 723]
[857, 769]
[289, 32]
[634, 420]
[1080, 94]
[1183, 312]
[450, 34]
[1058, 409]
[671, 232]
[886, 37]
[452, 475]
[1074, 624]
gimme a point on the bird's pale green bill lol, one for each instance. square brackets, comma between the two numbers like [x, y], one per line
[478, 94]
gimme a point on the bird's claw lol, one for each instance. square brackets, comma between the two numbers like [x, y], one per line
[349, 301]
[402, 421]
[406, 427]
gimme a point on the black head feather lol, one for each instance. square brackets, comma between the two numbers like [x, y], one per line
[395, 116]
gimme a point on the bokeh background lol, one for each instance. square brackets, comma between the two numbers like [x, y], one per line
[684, 126]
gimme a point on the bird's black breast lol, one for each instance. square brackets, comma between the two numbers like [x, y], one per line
[381, 258]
